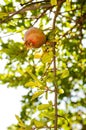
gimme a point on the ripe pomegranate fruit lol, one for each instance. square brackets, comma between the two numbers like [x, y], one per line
[34, 38]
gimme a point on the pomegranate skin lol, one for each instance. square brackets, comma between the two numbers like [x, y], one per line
[34, 38]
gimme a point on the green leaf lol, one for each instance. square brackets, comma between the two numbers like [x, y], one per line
[38, 124]
[68, 4]
[28, 127]
[32, 84]
[60, 91]
[34, 77]
[53, 2]
[47, 57]
[37, 55]
[3, 14]
[46, 95]
[43, 106]
[48, 115]
[36, 94]
[65, 74]
[52, 35]
[20, 123]
[67, 1]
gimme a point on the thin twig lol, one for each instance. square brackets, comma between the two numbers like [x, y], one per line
[36, 2]
[78, 22]
[42, 14]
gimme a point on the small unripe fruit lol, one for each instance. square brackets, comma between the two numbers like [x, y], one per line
[34, 38]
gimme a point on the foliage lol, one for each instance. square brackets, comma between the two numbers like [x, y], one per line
[64, 23]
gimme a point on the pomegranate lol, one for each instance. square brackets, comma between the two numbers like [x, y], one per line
[34, 38]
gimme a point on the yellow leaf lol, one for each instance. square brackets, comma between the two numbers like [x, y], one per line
[53, 2]
[38, 123]
[37, 55]
[37, 94]
[68, 3]
[43, 106]
[32, 84]
[61, 91]
[3, 14]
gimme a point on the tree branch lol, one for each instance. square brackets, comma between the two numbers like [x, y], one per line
[79, 21]
[30, 6]
[59, 4]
